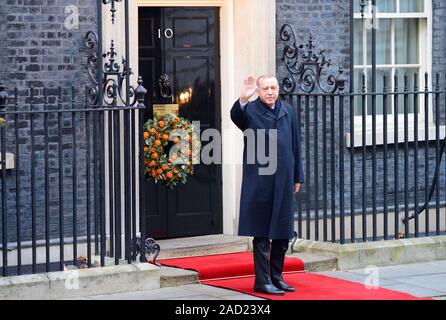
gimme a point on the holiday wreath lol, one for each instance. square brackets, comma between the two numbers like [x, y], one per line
[171, 147]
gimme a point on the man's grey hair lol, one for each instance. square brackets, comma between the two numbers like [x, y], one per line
[266, 76]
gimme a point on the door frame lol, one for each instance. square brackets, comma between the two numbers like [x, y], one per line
[162, 221]
[241, 53]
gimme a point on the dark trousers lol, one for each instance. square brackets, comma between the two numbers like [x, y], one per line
[269, 258]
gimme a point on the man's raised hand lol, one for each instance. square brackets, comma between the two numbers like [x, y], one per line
[249, 88]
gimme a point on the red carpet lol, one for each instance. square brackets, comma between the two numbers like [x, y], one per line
[225, 265]
[235, 271]
[315, 287]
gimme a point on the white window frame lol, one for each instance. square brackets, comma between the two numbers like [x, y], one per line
[425, 65]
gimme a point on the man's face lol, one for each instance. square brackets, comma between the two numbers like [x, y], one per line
[268, 91]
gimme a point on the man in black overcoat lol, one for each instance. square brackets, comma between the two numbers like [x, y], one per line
[266, 202]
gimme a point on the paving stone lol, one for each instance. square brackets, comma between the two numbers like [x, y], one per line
[408, 270]
[435, 282]
[242, 297]
[356, 277]
[199, 297]
[208, 290]
[157, 294]
[414, 290]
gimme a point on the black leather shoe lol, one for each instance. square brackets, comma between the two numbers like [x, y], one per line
[268, 289]
[283, 286]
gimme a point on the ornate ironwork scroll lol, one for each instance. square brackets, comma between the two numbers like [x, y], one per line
[113, 78]
[306, 66]
[363, 4]
[91, 43]
[3, 95]
[293, 242]
[113, 8]
[150, 247]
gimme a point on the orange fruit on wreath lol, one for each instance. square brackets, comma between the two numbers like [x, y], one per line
[154, 155]
[146, 135]
[169, 175]
[159, 171]
[161, 124]
[157, 142]
[165, 137]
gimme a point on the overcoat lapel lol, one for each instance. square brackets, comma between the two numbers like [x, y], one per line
[262, 110]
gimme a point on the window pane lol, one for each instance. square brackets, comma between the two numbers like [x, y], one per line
[358, 34]
[411, 5]
[406, 41]
[386, 5]
[379, 89]
[383, 43]
[410, 82]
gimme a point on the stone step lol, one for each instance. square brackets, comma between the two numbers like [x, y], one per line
[202, 245]
[316, 262]
[124, 278]
[172, 277]
[80, 282]
[218, 244]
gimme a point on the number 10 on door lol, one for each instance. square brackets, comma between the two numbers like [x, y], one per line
[168, 33]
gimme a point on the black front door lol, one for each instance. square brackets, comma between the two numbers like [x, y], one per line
[182, 43]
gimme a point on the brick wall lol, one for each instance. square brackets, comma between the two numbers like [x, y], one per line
[438, 39]
[2, 41]
[44, 47]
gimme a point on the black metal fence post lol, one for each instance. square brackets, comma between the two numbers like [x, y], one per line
[385, 159]
[426, 153]
[17, 183]
[416, 110]
[396, 155]
[140, 93]
[61, 182]
[341, 165]
[33, 184]
[437, 154]
[406, 155]
[364, 159]
[3, 102]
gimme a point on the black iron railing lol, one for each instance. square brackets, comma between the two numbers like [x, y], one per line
[61, 190]
[70, 163]
[374, 160]
[357, 190]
